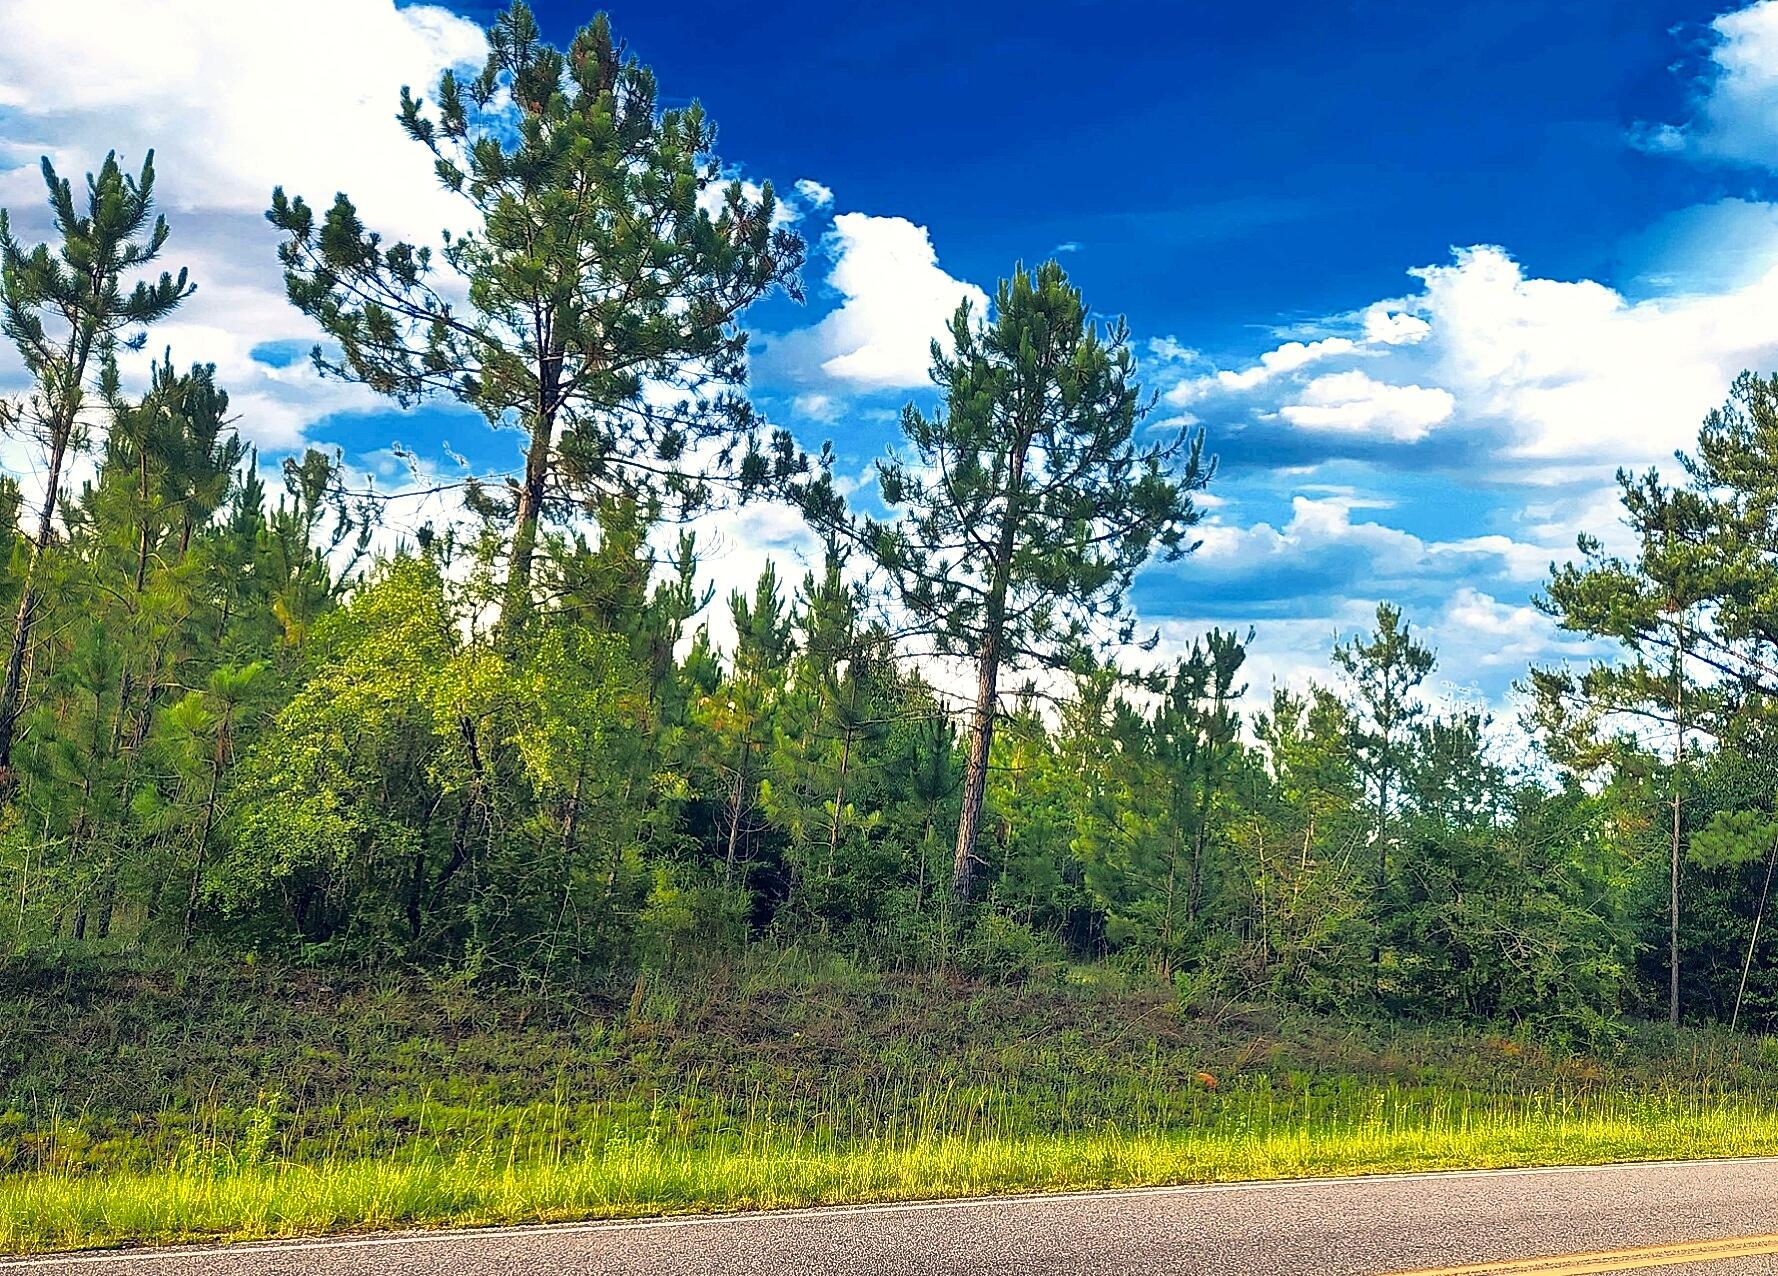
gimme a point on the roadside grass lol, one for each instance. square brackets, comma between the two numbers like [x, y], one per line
[142, 1103]
[1257, 1134]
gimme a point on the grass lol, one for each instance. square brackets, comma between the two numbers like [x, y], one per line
[783, 1082]
[1258, 1134]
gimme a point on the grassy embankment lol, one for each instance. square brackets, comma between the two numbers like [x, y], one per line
[140, 1103]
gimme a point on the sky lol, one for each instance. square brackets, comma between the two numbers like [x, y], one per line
[1426, 275]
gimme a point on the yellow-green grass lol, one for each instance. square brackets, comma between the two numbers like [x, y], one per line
[212, 1193]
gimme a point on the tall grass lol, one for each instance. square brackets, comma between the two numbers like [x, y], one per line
[559, 1161]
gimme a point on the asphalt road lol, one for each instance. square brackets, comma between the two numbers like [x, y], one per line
[1716, 1218]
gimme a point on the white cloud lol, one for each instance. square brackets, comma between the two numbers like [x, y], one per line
[788, 211]
[207, 85]
[1717, 247]
[895, 299]
[1321, 541]
[814, 194]
[1576, 376]
[817, 407]
[1499, 376]
[1658, 139]
[1555, 381]
[1387, 326]
[1316, 527]
[1286, 358]
[1483, 646]
[1482, 632]
[1353, 403]
[1171, 350]
[234, 311]
[1736, 112]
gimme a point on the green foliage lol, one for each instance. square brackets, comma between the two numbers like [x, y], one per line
[1011, 952]
[66, 311]
[139, 1101]
[521, 752]
[1027, 505]
[591, 268]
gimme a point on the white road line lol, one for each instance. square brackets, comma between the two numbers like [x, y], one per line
[668, 1222]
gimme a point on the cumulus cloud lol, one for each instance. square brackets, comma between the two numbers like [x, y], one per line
[1484, 645]
[1321, 548]
[1351, 402]
[1493, 374]
[1171, 350]
[1554, 381]
[1720, 246]
[1735, 116]
[1384, 326]
[805, 197]
[206, 84]
[814, 194]
[817, 407]
[1286, 358]
[895, 298]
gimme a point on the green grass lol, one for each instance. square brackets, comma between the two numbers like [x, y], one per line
[1258, 1134]
[145, 1103]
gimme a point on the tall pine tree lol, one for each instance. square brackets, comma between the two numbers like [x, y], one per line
[600, 292]
[1028, 502]
[66, 310]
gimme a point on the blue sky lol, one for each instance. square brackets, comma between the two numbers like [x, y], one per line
[1427, 274]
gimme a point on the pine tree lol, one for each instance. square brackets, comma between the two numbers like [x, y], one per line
[741, 710]
[1691, 608]
[1195, 737]
[67, 311]
[1028, 503]
[1385, 668]
[592, 268]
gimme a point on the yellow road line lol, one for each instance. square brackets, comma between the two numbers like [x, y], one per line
[1615, 1260]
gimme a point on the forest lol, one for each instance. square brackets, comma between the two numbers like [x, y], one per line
[359, 870]
[535, 744]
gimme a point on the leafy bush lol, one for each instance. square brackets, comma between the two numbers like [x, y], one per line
[1005, 951]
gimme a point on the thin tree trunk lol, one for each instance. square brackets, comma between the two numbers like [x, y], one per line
[1172, 878]
[571, 823]
[532, 493]
[1194, 888]
[524, 534]
[975, 774]
[1381, 886]
[11, 691]
[197, 865]
[839, 795]
[987, 685]
[1758, 917]
[735, 803]
[919, 870]
[1673, 876]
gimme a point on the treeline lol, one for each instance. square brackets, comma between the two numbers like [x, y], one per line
[513, 744]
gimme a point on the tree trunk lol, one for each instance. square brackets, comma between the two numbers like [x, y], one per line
[1753, 941]
[839, 795]
[209, 821]
[1195, 888]
[734, 823]
[1172, 879]
[1673, 875]
[1381, 886]
[987, 684]
[975, 775]
[12, 690]
[524, 533]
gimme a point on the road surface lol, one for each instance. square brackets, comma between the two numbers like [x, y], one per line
[1713, 1218]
